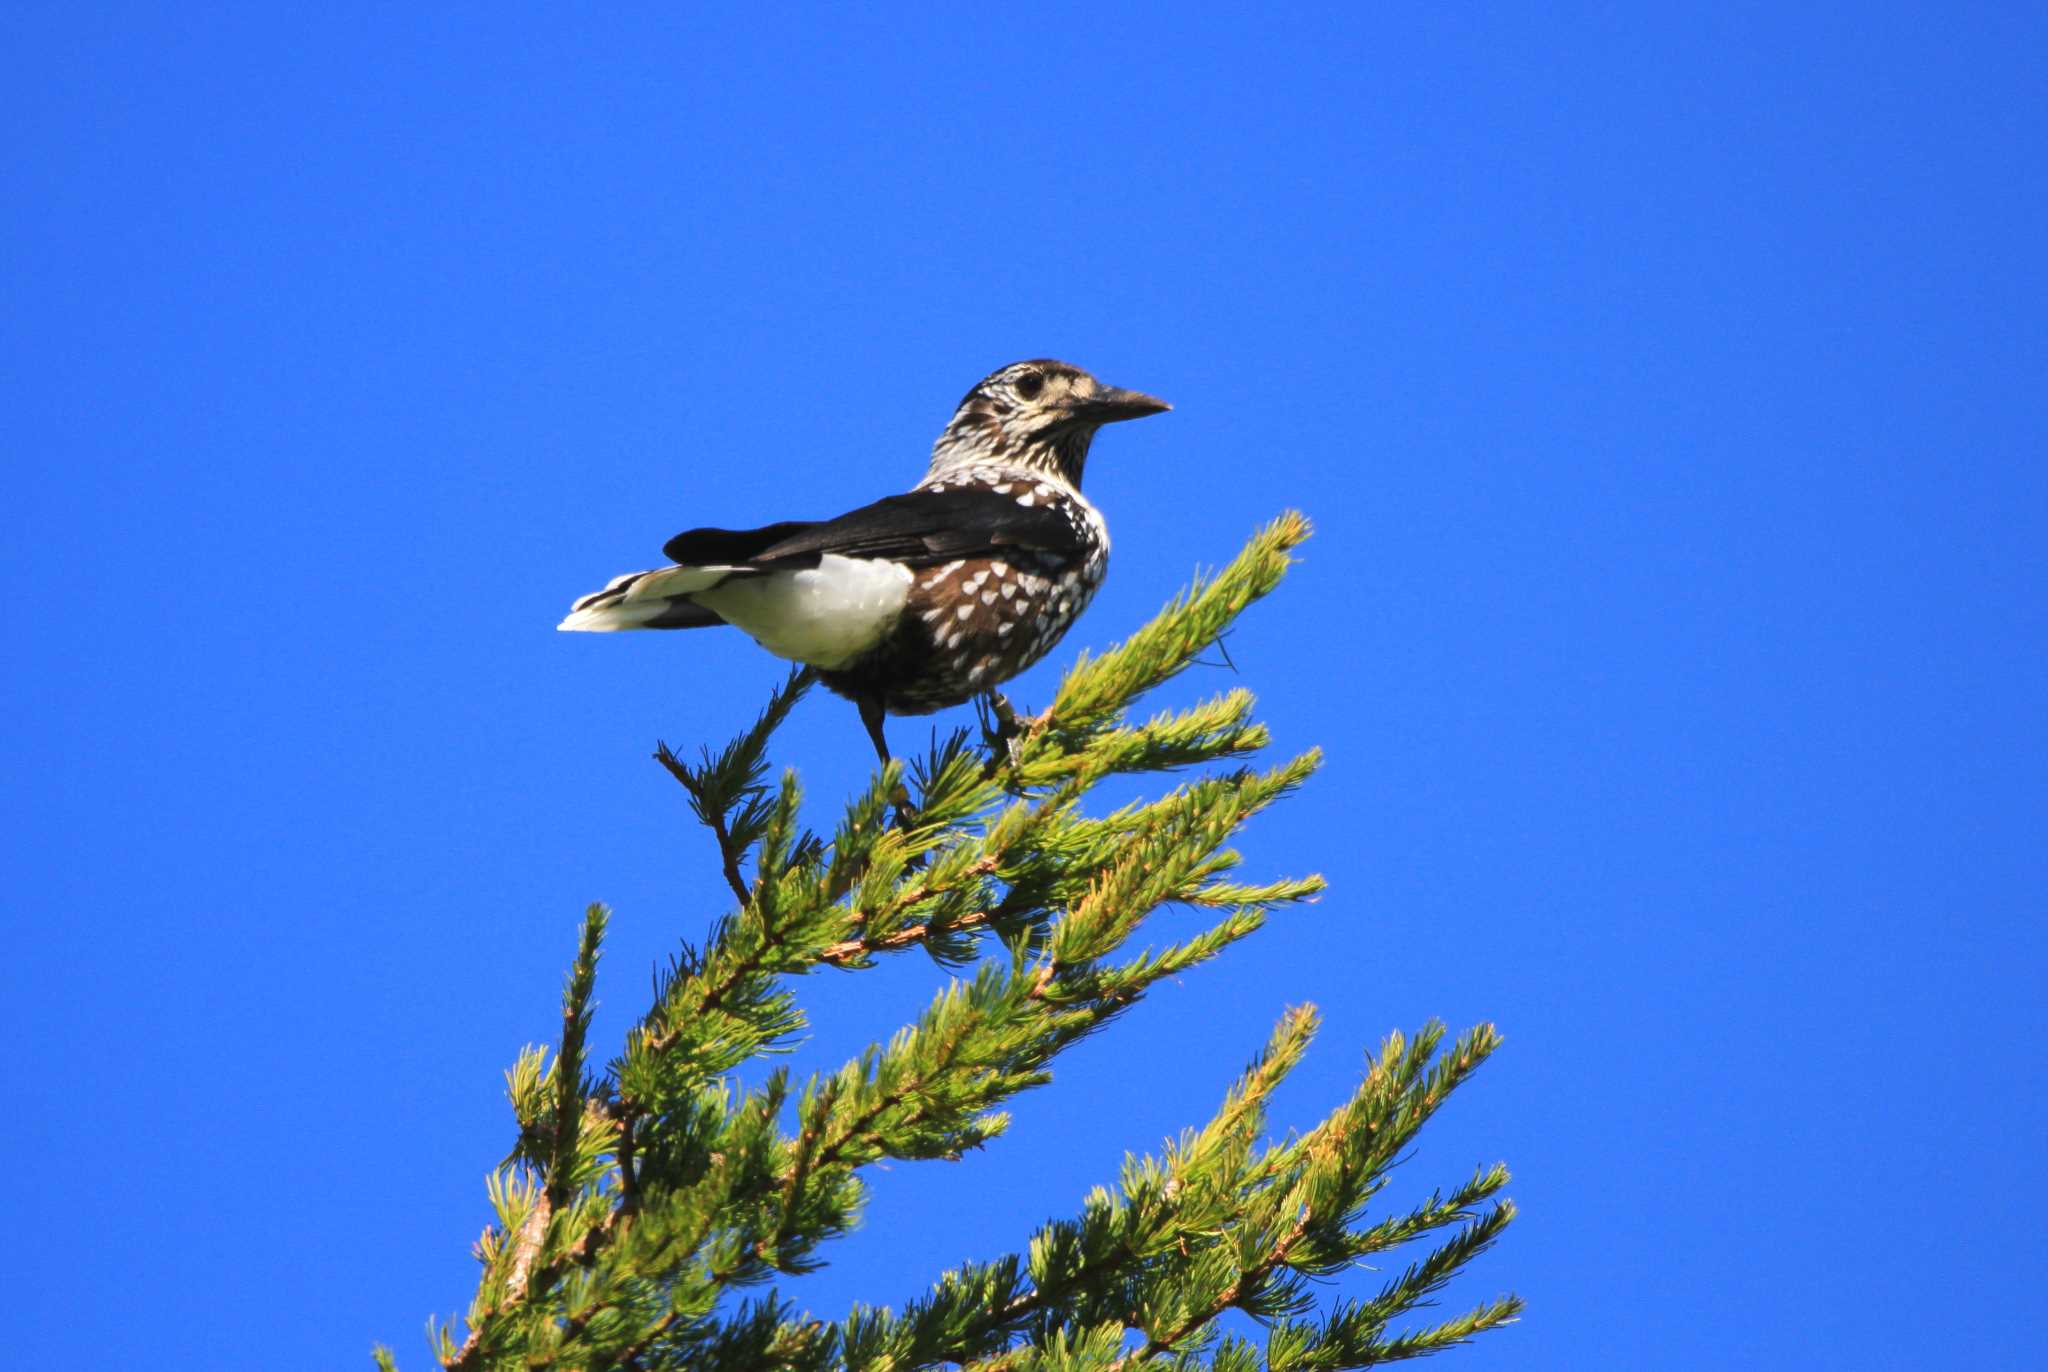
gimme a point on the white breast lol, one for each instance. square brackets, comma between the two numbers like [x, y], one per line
[825, 616]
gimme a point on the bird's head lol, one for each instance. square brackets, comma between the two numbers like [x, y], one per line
[1039, 415]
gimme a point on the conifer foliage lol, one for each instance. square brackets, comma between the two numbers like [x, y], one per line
[650, 1203]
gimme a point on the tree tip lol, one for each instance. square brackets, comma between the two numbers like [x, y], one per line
[1290, 528]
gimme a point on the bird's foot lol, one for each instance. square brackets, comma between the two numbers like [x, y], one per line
[906, 811]
[1004, 741]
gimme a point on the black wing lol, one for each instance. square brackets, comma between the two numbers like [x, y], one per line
[919, 528]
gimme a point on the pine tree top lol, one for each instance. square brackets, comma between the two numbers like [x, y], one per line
[649, 1205]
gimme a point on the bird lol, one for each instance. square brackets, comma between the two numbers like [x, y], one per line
[922, 600]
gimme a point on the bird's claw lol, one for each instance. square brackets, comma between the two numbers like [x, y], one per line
[1005, 742]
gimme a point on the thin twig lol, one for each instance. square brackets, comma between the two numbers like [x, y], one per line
[852, 949]
[728, 857]
[525, 1249]
[629, 1183]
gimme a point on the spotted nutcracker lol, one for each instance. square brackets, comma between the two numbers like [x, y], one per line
[920, 600]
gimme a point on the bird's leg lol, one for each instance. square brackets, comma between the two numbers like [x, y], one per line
[871, 715]
[1007, 724]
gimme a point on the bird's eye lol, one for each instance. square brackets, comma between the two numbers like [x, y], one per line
[1029, 385]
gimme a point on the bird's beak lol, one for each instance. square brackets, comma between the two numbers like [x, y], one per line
[1111, 403]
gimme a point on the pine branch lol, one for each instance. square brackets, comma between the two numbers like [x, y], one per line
[1230, 1296]
[1096, 689]
[570, 1095]
[1174, 1218]
[725, 789]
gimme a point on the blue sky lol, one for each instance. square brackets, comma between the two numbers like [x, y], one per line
[1667, 392]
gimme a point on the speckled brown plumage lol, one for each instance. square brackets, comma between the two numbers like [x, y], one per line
[971, 623]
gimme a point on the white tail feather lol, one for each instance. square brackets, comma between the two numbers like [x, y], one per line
[605, 619]
[666, 583]
[645, 596]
